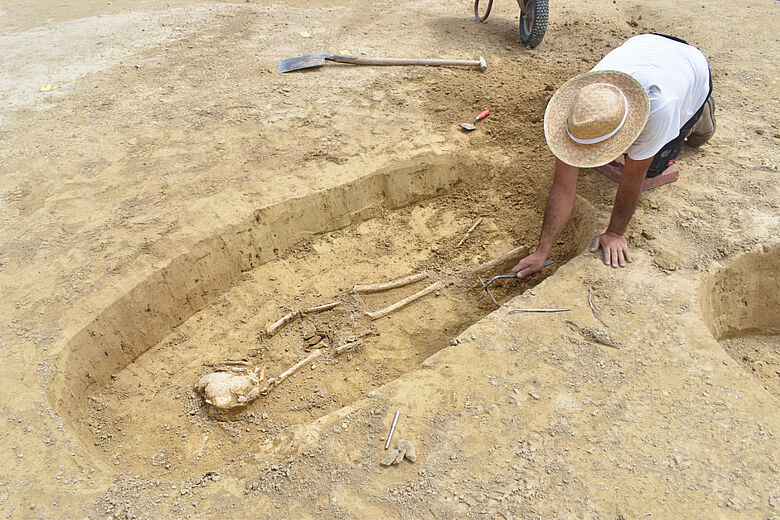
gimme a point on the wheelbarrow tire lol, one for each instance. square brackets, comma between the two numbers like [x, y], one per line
[533, 24]
[487, 12]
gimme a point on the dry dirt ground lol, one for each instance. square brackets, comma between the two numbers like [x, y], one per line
[172, 195]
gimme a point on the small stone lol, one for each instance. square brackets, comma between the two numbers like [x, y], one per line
[667, 261]
[399, 457]
[391, 457]
[407, 449]
[760, 131]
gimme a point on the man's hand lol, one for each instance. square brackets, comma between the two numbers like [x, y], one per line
[529, 265]
[615, 249]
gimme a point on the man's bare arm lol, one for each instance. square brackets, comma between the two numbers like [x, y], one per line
[560, 203]
[613, 242]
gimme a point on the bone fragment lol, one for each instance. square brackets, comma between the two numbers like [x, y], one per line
[471, 229]
[281, 322]
[403, 303]
[234, 363]
[394, 284]
[348, 347]
[322, 308]
[506, 257]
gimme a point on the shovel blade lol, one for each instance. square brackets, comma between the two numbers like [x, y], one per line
[307, 61]
[468, 127]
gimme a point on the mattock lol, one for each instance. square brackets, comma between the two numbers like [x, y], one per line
[485, 284]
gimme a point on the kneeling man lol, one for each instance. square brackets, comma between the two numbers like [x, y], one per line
[630, 115]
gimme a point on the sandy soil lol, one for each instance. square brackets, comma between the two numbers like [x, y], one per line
[172, 195]
[418, 238]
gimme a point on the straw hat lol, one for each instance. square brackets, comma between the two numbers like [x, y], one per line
[595, 117]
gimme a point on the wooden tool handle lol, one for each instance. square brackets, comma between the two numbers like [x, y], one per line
[403, 61]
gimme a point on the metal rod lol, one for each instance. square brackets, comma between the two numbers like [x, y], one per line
[539, 310]
[392, 428]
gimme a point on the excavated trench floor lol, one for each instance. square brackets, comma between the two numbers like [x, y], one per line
[147, 419]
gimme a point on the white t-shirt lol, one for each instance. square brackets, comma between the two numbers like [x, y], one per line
[676, 78]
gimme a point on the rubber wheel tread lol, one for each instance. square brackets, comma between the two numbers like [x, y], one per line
[539, 27]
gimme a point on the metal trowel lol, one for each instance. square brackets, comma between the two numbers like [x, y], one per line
[470, 126]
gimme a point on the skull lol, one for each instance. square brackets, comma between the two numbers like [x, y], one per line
[230, 386]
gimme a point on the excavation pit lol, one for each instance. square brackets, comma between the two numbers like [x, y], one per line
[127, 378]
[741, 304]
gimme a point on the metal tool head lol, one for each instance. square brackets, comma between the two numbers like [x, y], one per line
[482, 64]
[468, 127]
[486, 285]
[307, 61]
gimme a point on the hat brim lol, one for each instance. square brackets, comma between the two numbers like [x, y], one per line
[597, 154]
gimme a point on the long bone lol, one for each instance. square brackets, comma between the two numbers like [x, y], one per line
[281, 322]
[403, 303]
[292, 315]
[386, 286]
[272, 382]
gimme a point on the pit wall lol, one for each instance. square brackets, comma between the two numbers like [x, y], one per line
[142, 317]
[744, 296]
